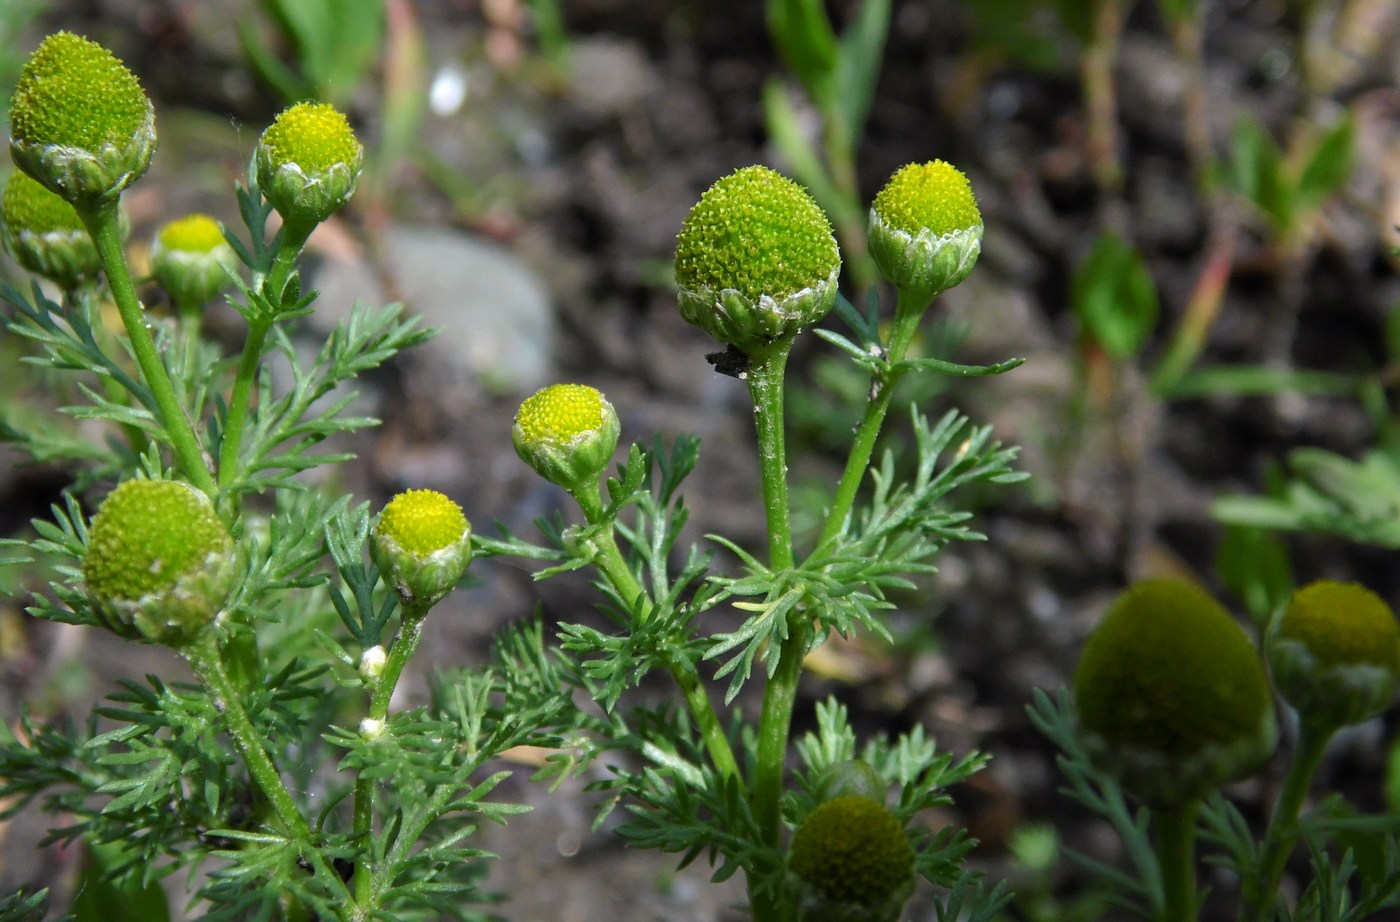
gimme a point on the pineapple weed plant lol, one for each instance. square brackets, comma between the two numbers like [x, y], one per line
[283, 783]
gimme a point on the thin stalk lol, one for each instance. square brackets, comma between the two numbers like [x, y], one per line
[907, 314]
[290, 242]
[615, 570]
[1282, 832]
[765, 379]
[1176, 855]
[103, 226]
[366, 792]
[1101, 104]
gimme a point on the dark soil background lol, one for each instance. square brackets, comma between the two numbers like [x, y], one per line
[581, 181]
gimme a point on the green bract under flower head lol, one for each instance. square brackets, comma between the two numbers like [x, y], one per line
[855, 860]
[44, 234]
[1171, 695]
[308, 162]
[159, 561]
[756, 260]
[925, 229]
[192, 261]
[80, 122]
[567, 433]
[422, 546]
[1335, 654]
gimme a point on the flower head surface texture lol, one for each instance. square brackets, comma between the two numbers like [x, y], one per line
[934, 195]
[75, 93]
[853, 850]
[422, 521]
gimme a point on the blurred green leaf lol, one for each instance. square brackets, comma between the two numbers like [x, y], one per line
[804, 37]
[862, 48]
[1254, 566]
[110, 887]
[1256, 173]
[1179, 10]
[1114, 297]
[1330, 166]
[1257, 381]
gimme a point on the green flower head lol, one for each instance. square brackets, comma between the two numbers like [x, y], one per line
[422, 545]
[567, 433]
[756, 260]
[308, 162]
[1335, 654]
[80, 122]
[1171, 695]
[855, 861]
[925, 229]
[159, 561]
[43, 234]
[192, 261]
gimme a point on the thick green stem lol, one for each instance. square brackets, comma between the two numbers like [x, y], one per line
[104, 227]
[1176, 856]
[1282, 833]
[765, 380]
[290, 243]
[908, 313]
[615, 570]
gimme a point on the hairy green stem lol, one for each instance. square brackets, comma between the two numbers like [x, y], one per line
[765, 379]
[103, 226]
[1176, 856]
[1282, 832]
[290, 242]
[615, 570]
[908, 312]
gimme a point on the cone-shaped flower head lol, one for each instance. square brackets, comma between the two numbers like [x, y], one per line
[80, 122]
[925, 229]
[159, 562]
[192, 261]
[756, 260]
[43, 234]
[308, 162]
[855, 860]
[422, 546]
[1335, 654]
[1171, 695]
[567, 433]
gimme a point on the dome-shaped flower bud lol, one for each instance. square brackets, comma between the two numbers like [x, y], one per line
[159, 561]
[925, 229]
[308, 162]
[80, 122]
[855, 861]
[422, 546]
[1171, 695]
[567, 433]
[1335, 654]
[43, 234]
[756, 260]
[192, 261]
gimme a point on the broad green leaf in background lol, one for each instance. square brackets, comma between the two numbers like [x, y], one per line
[1114, 297]
[1254, 566]
[805, 38]
[102, 894]
[1256, 173]
[862, 48]
[1330, 165]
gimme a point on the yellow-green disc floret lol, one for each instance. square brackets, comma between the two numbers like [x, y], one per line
[308, 162]
[422, 521]
[853, 852]
[79, 121]
[1171, 694]
[44, 234]
[421, 544]
[195, 233]
[158, 560]
[192, 261]
[567, 433]
[756, 259]
[934, 195]
[925, 229]
[1335, 654]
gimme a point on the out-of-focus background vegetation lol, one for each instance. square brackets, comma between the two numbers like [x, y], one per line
[1190, 209]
